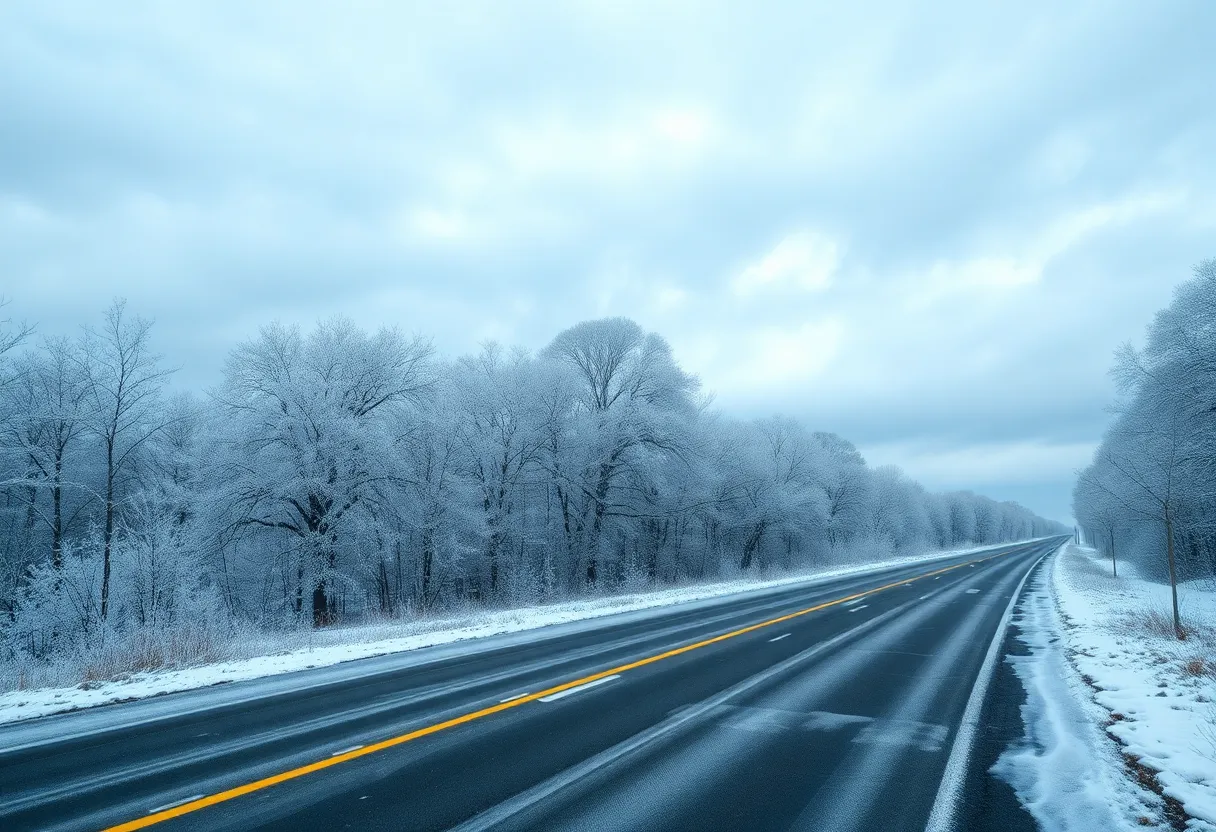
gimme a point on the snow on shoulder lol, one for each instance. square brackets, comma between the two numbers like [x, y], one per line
[1112, 699]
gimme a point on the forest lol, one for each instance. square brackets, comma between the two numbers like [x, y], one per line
[338, 475]
[1149, 496]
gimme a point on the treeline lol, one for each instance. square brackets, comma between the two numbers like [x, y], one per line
[339, 474]
[1150, 494]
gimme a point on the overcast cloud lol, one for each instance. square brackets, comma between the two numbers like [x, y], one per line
[923, 228]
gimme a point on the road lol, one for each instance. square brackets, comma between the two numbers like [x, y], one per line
[849, 704]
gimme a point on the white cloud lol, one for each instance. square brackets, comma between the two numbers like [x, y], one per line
[683, 127]
[994, 276]
[804, 261]
[436, 225]
[973, 465]
[648, 140]
[775, 358]
[1060, 160]
[666, 298]
[1073, 227]
[223, 171]
[978, 275]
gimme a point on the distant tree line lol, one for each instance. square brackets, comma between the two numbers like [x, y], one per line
[1149, 495]
[340, 474]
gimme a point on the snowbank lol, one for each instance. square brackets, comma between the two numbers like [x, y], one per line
[1102, 657]
[301, 651]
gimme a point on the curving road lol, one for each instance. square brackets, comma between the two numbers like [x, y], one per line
[847, 704]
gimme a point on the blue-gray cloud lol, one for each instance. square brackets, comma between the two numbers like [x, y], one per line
[923, 228]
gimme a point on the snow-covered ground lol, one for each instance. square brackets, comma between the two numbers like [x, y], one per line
[1107, 685]
[270, 655]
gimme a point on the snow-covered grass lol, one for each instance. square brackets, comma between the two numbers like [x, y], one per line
[258, 654]
[1116, 705]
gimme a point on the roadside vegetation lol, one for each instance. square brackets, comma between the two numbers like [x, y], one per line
[342, 476]
[1149, 497]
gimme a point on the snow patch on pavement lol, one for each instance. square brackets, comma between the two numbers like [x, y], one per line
[343, 644]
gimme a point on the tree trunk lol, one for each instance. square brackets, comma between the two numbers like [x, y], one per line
[383, 589]
[109, 530]
[428, 558]
[591, 569]
[751, 545]
[593, 545]
[493, 545]
[1169, 550]
[57, 514]
[320, 606]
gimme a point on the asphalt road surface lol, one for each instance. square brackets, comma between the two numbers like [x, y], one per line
[856, 703]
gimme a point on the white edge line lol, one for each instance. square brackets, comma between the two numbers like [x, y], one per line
[941, 818]
[563, 693]
[176, 803]
[512, 698]
[346, 750]
[778, 638]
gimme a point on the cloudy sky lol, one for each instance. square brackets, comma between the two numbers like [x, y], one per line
[923, 226]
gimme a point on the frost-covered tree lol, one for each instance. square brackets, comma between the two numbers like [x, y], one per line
[340, 473]
[633, 408]
[307, 449]
[1154, 474]
[53, 394]
[123, 383]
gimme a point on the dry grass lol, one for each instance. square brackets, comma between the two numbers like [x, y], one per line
[1199, 667]
[119, 656]
[1155, 622]
[1175, 815]
[148, 650]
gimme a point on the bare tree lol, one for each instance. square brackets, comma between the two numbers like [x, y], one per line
[53, 417]
[1156, 463]
[124, 381]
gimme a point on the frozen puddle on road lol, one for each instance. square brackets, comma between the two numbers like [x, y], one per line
[926, 736]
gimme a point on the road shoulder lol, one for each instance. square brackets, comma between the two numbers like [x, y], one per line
[1070, 766]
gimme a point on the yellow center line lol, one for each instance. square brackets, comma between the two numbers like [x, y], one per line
[292, 774]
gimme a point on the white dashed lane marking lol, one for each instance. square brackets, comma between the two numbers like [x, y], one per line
[176, 803]
[561, 694]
